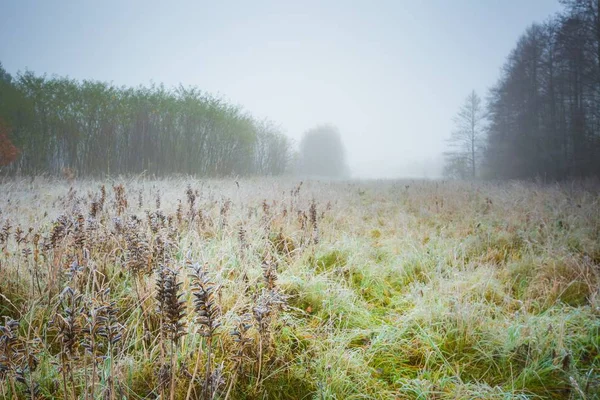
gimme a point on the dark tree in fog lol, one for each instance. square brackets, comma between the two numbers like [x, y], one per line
[466, 140]
[322, 152]
[545, 109]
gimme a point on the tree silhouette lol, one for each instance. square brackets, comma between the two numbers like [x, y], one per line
[322, 152]
[467, 139]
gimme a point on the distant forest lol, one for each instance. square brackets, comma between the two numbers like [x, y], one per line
[62, 126]
[542, 118]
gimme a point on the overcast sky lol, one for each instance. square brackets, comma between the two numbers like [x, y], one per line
[389, 74]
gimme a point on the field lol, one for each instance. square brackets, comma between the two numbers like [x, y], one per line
[277, 289]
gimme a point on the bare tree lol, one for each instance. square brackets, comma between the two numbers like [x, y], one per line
[467, 138]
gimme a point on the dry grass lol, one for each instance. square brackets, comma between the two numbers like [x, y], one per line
[265, 288]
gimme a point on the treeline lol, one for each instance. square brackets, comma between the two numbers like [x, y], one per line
[93, 128]
[543, 115]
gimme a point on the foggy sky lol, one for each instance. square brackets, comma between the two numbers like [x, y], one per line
[389, 74]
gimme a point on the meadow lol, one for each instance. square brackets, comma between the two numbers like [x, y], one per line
[280, 289]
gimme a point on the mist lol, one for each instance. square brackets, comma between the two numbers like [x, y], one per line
[389, 75]
[300, 200]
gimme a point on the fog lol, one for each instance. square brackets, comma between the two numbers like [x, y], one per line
[390, 74]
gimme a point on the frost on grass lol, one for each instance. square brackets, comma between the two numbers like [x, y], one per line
[266, 288]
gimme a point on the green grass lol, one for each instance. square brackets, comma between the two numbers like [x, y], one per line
[431, 292]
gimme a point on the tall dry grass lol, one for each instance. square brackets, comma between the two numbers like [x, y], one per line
[265, 288]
